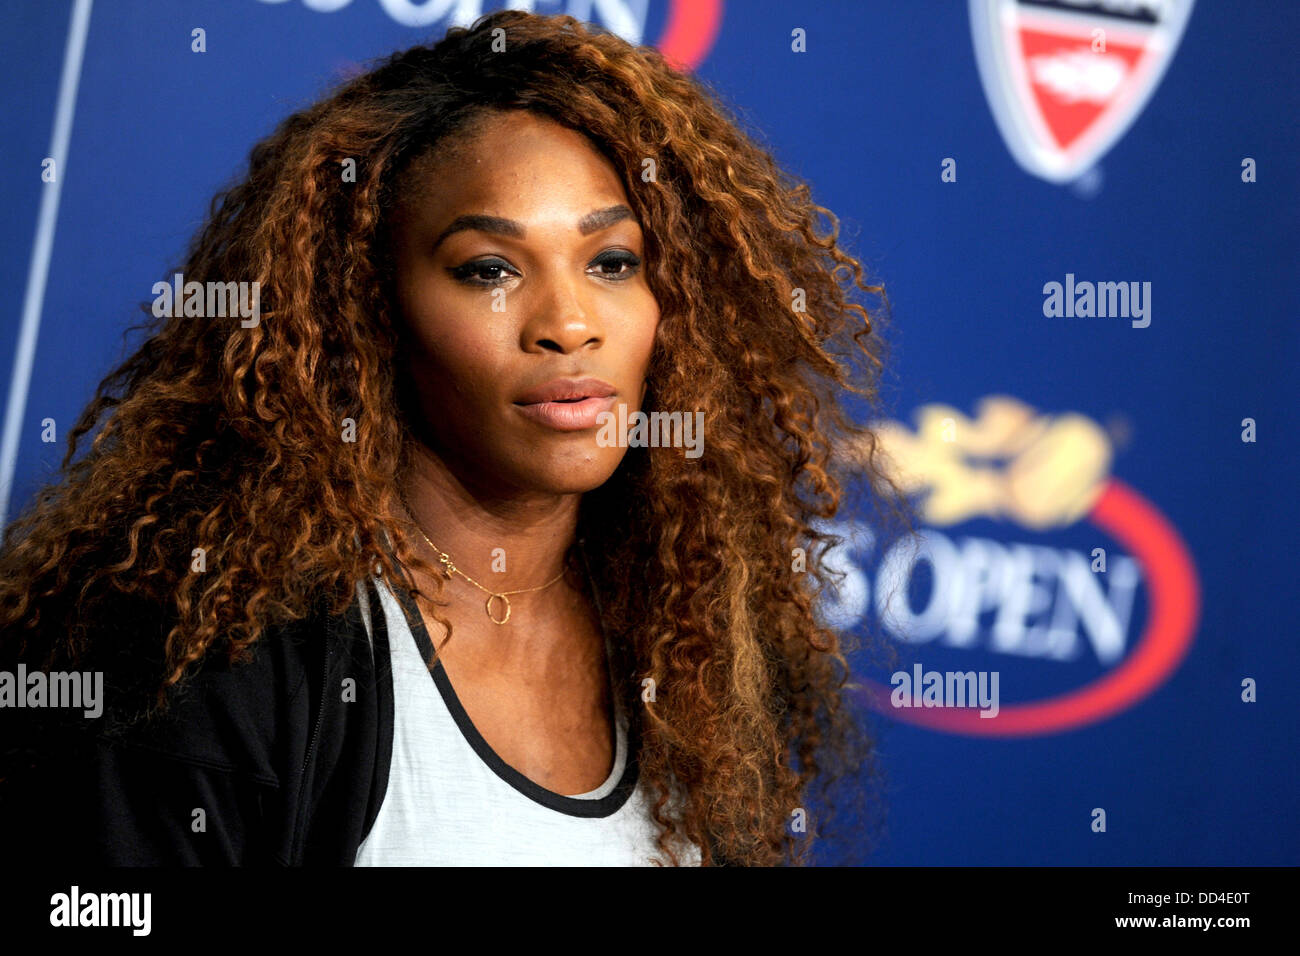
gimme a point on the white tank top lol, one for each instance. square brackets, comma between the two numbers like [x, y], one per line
[452, 801]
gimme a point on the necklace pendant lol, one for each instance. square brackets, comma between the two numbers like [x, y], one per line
[488, 607]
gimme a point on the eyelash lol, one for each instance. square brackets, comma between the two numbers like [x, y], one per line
[464, 273]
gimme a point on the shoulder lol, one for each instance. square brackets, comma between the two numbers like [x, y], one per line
[261, 744]
[237, 716]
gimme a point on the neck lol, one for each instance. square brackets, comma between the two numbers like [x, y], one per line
[469, 523]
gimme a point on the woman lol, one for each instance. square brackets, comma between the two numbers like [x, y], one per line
[475, 265]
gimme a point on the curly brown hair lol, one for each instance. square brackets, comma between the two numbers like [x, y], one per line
[228, 438]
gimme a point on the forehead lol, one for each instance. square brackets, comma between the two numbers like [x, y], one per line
[515, 164]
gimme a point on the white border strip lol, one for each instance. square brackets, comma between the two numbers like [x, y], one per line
[39, 270]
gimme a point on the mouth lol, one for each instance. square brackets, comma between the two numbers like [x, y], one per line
[567, 404]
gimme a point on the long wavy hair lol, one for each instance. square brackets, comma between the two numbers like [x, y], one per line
[708, 571]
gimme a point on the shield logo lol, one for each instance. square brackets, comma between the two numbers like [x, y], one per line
[1066, 78]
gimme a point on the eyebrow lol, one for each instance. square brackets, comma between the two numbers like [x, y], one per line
[592, 222]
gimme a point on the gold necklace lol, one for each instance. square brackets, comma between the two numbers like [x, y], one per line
[446, 561]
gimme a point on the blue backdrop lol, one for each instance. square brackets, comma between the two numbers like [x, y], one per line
[976, 153]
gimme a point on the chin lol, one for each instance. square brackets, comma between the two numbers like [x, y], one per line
[564, 476]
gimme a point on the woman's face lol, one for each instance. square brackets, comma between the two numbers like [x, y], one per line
[518, 267]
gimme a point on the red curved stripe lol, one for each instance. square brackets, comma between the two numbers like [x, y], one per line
[690, 33]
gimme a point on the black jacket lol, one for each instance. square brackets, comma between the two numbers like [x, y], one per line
[276, 760]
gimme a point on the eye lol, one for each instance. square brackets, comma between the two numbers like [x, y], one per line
[617, 264]
[485, 272]
[624, 264]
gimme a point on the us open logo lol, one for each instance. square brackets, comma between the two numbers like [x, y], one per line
[690, 26]
[1067, 78]
[1034, 562]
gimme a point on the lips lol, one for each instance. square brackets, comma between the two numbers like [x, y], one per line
[566, 390]
[567, 404]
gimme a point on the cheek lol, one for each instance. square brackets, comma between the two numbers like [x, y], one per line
[645, 350]
[444, 346]
[645, 341]
[450, 364]
[639, 335]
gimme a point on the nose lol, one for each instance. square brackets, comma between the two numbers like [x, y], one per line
[561, 318]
